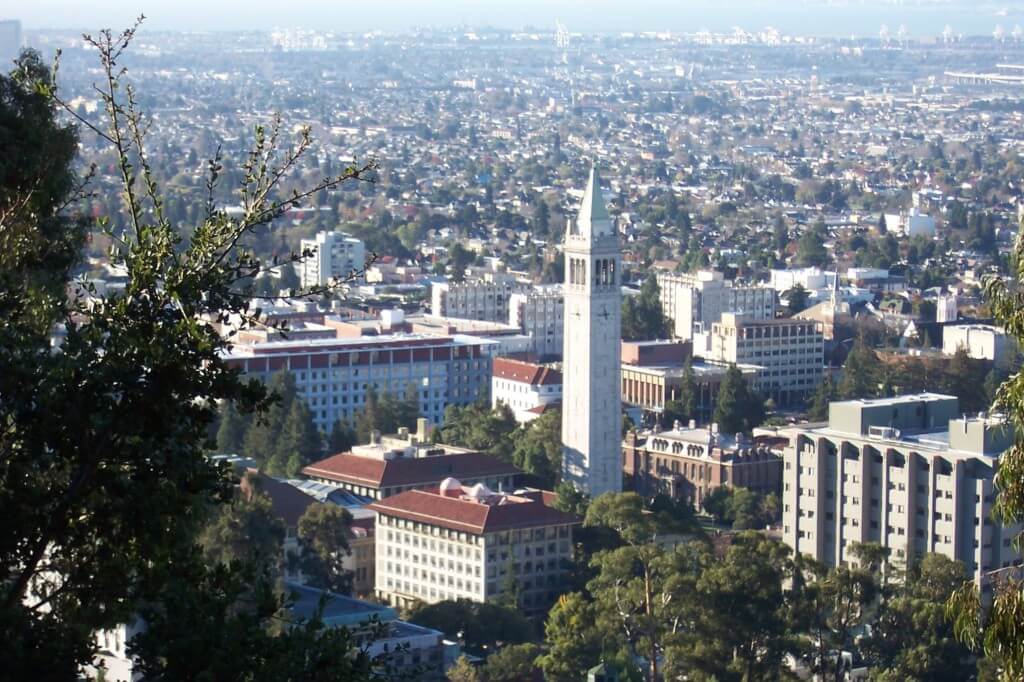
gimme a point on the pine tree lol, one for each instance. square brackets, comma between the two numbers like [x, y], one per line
[407, 410]
[368, 418]
[860, 373]
[823, 395]
[263, 433]
[737, 408]
[341, 439]
[231, 432]
[299, 442]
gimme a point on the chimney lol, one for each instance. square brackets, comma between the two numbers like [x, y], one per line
[421, 429]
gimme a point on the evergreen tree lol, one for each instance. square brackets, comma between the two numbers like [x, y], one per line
[642, 316]
[796, 299]
[341, 438]
[683, 407]
[298, 444]
[860, 373]
[737, 408]
[231, 431]
[323, 540]
[265, 430]
[824, 394]
[811, 247]
[369, 418]
[407, 410]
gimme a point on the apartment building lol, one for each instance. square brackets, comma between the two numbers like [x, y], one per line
[539, 313]
[334, 256]
[460, 542]
[486, 299]
[333, 375]
[687, 463]
[527, 388]
[696, 301]
[790, 353]
[909, 473]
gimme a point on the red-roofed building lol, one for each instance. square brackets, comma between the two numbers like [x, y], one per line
[461, 542]
[407, 461]
[525, 387]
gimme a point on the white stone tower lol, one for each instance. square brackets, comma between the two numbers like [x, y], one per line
[591, 391]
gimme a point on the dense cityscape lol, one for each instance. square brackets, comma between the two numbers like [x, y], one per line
[483, 354]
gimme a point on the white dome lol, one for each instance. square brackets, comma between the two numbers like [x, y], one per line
[480, 491]
[450, 484]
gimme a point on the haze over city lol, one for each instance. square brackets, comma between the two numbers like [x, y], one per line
[512, 342]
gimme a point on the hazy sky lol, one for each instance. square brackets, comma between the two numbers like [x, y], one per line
[861, 17]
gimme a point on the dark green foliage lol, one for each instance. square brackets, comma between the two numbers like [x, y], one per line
[298, 444]
[480, 428]
[247, 530]
[231, 430]
[341, 438]
[199, 631]
[860, 373]
[737, 407]
[683, 408]
[479, 624]
[323, 540]
[642, 317]
[811, 247]
[742, 508]
[385, 414]
[513, 663]
[796, 299]
[538, 449]
[103, 454]
[824, 394]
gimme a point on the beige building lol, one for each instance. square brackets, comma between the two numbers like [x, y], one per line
[696, 301]
[790, 352]
[485, 299]
[908, 473]
[458, 542]
[539, 313]
[334, 256]
[981, 341]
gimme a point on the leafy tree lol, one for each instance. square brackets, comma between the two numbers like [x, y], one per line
[742, 616]
[538, 449]
[824, 394]
[573, 643]
[860, 373]
[737, 408]
[569, 499]
[910, 637]
[232, 624]
[480, 428]
[811, 247]
[323, 540]
[104, 468]
[717, 504]
[961, 379]
[247, 530]
[479, 624]
[511, 664]
[642, 316]
[796, 299]
[463, 671]
[459, 258]
[231, 430]
[996, 630]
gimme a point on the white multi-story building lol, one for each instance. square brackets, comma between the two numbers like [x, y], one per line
[527, 388]
[457, 542]
[485, 299]
[790, 352]
[592, 400]
[908, 473]
[334, 374]
[696, 301]
[334, 256]
[912, 223]
[539, 312]
[981, 341]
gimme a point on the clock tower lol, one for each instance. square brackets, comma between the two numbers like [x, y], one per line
[591, 390]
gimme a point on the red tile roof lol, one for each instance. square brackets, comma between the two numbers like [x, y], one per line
[375, 473]
[469, 516]
[526, 372]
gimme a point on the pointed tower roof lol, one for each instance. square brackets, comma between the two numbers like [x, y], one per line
[593, 219]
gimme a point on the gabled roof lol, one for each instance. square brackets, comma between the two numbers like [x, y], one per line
[470, 516]
[376, 473]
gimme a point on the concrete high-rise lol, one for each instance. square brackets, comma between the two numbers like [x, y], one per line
[591, 403]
